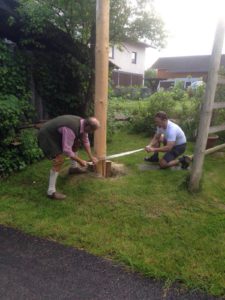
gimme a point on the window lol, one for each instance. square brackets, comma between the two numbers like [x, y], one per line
[111, 52]
[134, 57]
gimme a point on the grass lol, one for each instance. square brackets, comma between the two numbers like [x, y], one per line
[127, 107]
[146, 219]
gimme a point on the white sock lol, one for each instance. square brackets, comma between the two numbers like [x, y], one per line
[52, 182]
[73, 162]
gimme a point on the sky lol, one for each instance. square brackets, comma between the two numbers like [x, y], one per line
[191, 26]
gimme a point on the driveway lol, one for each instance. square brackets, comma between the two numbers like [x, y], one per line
[34, 268]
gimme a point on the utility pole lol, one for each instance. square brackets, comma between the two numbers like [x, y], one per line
[207, 107]
[101, 81]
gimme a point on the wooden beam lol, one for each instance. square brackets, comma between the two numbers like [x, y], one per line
[108, 168]
[214, 149]
[217, 105]
[207, 107]
[218, 128]
[221, 79]
[209, 151]
[101, 80]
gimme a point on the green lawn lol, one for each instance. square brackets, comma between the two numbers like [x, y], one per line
[146, 219]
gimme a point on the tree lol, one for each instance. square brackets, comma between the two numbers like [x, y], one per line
[128, 20]
[150, 73]
[134, 20]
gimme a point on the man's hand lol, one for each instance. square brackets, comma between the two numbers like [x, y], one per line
[149, 149]
[94, 160]
[83, 163]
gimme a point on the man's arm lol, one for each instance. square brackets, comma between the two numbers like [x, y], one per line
[68, 138]
[165, 148]
[153, 141]
[87, 148]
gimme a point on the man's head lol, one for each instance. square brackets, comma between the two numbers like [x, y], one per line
[161, 119]
[91, 124]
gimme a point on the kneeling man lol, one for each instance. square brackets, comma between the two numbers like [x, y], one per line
[174, 143]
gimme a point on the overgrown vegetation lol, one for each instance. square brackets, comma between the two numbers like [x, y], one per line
[62, 83]
[68, 81]
[15, 110]
[51, 54]
[177, 103]
[183, 106]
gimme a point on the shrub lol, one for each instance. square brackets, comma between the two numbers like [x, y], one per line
[114, 125]
[10, 117]
[17, 157]
[10, 160]
[15, 110]
[29, 150]
[131, 92]
[13, 113]
[177, 104]
[143, 121]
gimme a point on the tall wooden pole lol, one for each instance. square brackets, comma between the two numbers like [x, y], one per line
[207, 107]
[101, 80]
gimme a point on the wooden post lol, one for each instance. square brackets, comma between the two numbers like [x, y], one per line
[207, 107]
[101, 80]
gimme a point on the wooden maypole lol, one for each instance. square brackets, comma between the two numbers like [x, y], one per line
[101, 81]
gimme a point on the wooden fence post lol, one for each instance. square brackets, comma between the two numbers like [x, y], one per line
[207, 107]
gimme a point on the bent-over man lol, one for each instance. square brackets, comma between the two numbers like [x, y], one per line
[59, 137]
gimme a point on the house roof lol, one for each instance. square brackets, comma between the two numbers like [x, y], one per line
[113, 65]
[198, 63]
[140, 43]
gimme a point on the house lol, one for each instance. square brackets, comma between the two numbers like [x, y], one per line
[184, 67]
[128, 60]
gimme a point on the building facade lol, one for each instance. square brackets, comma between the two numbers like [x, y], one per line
[128, 60]
[184, 66]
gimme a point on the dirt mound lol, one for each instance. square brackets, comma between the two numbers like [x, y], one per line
[118, 170]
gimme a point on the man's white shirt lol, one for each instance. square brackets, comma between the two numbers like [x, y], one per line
[173, 133]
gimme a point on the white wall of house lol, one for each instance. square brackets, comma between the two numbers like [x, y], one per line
[123, 57]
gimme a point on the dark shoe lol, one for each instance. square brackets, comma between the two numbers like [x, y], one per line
[76, 170]
[152, 159]
[57, 196]
[185, 161]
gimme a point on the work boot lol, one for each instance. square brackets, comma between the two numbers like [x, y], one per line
[57, 196]
[76, 170]
[153, 158]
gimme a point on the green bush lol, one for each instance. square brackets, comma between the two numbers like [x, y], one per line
[10, 114]
[143, 120]
[131, 92]
[15, 111]
[10, 160]
[29, 150]
[13, 71]
[13, 114]
[178, 106]
[16, 156]
[113, 125]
